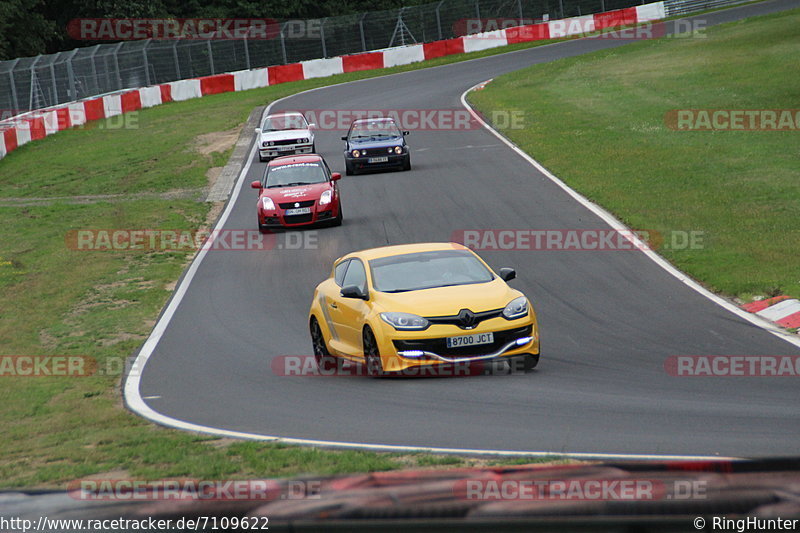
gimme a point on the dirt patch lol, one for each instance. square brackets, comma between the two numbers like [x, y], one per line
[111, 474]
[121, 337]
[212, 174]
[217, 141]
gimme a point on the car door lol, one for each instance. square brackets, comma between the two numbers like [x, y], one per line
[328, 295]
[352, 311]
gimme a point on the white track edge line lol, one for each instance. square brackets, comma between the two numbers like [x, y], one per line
[133, 399]
[616, 224]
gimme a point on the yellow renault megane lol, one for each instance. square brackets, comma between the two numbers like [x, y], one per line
[398, 307]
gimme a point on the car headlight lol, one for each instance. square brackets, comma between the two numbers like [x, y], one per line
[326, 197]
[404, 321]
[398, 149]
[517, 308]
[264, 144]
[356, 153]
[267, 204]
[304, 140]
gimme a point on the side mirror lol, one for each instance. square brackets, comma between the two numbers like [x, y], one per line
[351, 291]
[405, 133]
[258, 130]
[507, 274]
[256, 185]
[312, 126]
[344, 138]
[336, 176]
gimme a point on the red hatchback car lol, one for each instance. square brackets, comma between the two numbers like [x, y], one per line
[298, 191]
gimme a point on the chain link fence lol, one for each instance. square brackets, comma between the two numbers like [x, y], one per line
[47, 80]
[684, 7]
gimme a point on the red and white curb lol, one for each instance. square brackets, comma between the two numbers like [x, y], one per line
[38, 124]
[782, 310]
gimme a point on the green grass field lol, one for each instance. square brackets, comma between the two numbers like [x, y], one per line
[598, 122]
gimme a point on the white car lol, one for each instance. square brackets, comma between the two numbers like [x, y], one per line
[284, 134]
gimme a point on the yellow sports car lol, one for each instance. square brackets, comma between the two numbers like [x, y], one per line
[399, 307]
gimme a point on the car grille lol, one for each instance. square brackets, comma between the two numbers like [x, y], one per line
[290, 205]
[439, 346]
[376, 152]
[465, 319]
[298, 219]
[284, 142]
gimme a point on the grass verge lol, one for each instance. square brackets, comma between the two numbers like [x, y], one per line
[598, 122]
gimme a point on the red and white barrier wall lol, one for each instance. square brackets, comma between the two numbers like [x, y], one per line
[38, 124]
[782, 310]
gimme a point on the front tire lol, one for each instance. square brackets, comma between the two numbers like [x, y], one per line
[407, 163]
[338, 220]
[348, 169]
[371, 356]
[529, 362]
[321, 354]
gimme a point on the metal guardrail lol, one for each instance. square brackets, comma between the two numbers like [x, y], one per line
[684, 7]
[47, 80]
[43, 81]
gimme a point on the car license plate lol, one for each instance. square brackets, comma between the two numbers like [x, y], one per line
[470, 340]
[384, 159]
[285, 148]
[298, 211]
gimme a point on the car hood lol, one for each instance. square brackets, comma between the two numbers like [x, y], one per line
[446, 301]
[285, 134]
[296, 194]
[362, 144]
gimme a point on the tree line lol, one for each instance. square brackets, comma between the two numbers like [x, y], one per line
[32, 27]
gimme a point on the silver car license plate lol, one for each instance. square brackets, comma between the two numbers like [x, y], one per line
[470, 340]
[383, 159]
[298, 211]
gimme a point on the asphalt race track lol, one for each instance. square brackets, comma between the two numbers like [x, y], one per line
[609, 319]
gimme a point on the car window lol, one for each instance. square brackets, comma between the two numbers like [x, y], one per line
[375, 130]
[338, 272]
[426, 270]
[356, 275]
[327, 168]
[284, 122]
[294, 174]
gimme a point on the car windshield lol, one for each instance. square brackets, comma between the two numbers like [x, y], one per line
[427, 270]
[375, 129]
[295, 174]
[284, 122]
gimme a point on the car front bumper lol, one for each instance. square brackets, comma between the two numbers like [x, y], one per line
[401, 350]
[392, 161]
[276, 151]
[277, 218]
